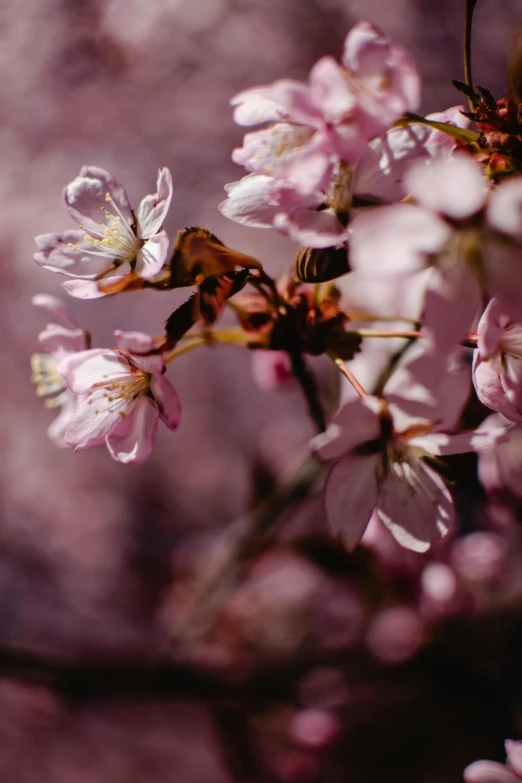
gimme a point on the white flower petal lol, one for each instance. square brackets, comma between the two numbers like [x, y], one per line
[132, 439]
[415, 505]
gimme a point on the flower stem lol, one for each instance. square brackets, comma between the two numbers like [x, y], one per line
[185, 349]
[348, 375]
[372, 333]
[470, 7]
[383, 318]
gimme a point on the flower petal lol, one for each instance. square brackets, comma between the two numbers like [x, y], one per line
[312, 228]
[250, 202]
[91, 289]
[350, 496]
[69, 254]
[85, 197]
[95, 417]
[83, 289]
[504, 210]
[57, 429]
[134, 342]
[415, 505]
[132, 439]
[167, 400]
[503, 270]
[152, 255]
[451, 304]
[87, 369]
[380, 173]
[490, 328]
[61, 341]
[490, 389]
[394, 240]
[356, 423]
[514, 755]
[454, 186]
[440, 444]
[331, 90]
[55, 307]
[152, 210]
[489, 772]
[286, 99]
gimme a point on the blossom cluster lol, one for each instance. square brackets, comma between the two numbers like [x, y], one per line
[370, 191]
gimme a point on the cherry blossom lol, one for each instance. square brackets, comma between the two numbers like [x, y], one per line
[379, 448]
[493, 772]
[112, 245]
[469, 234]
[497, 362]
[124, 395]
[319, 218]
[59, 341]
[333, 116]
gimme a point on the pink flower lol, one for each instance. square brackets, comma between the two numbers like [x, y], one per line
[497, 362]
[333, 116]
[494, 772]
[379, 446]
[124, 395]
[112, 243]
[271, 369]
[470, 235]
[263, 201]
[60, 341]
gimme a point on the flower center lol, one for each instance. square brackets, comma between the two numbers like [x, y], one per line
[116, 241]
[339, 191]
[47, 379]
[123, 391]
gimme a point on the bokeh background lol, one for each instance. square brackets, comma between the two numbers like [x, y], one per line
[94, 556]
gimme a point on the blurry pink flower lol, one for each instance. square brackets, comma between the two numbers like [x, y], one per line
[450, 229]
[439, 591]
[315, 728]
[395, 634]
[60, 341]
[330, 118]
[497, 362]
[125, 394]
[271, 369]
[112, 241]
[493, 772]
[378, 446]
[480, 557]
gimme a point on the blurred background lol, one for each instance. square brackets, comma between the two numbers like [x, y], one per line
[319, 667]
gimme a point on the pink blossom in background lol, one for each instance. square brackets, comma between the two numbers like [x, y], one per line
[271, 369]
[124, 395]
[112, 241]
